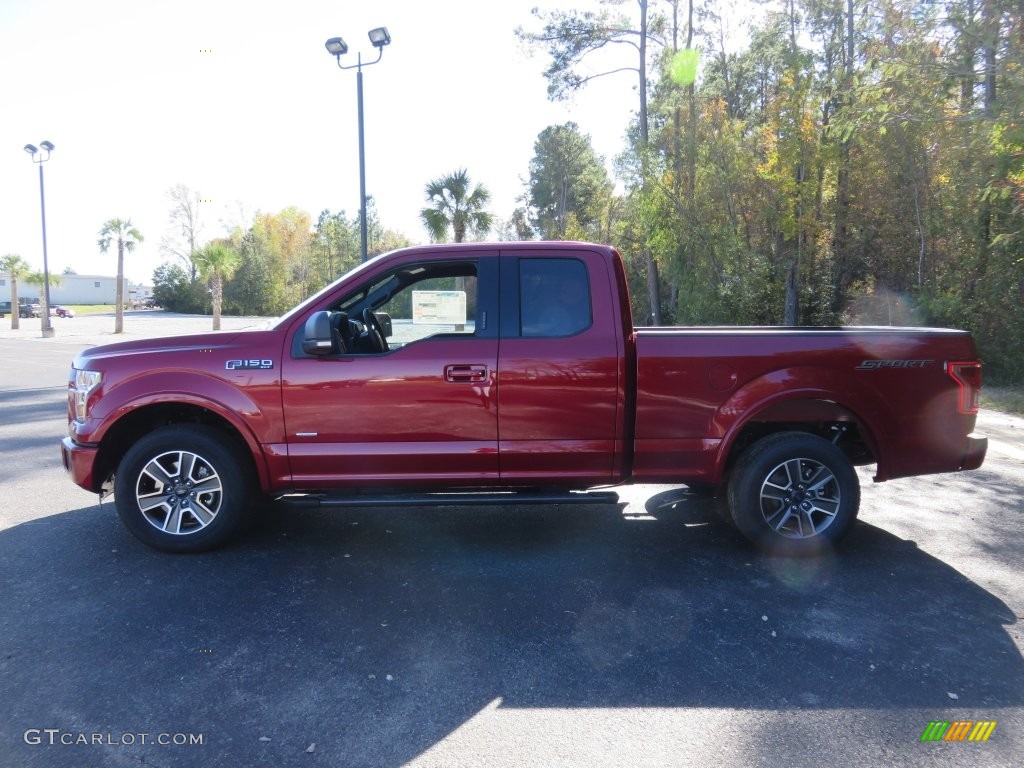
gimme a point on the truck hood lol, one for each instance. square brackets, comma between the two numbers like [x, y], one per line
[213, 341]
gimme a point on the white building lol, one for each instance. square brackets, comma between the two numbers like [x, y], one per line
[139, 294]
[73, 289]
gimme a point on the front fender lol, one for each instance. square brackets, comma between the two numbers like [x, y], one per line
[233, 407]
[244, 412]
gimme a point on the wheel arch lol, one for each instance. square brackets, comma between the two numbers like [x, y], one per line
[142, 419]
[773, 404]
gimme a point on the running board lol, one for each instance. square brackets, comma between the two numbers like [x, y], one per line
[449, 499]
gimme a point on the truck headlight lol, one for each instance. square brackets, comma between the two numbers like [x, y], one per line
[85, 382]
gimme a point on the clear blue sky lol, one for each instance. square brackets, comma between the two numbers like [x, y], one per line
[239, 100]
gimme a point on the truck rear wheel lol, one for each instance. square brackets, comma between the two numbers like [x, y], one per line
[182, 489]
[793, 493]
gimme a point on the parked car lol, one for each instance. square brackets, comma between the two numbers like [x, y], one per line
[34, 310]
[63, 311]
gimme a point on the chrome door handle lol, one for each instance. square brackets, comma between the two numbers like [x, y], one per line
[463, 374]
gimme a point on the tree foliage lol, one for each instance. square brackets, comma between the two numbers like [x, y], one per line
[569, 189]
[174, 291]
[268, 266]
[858, 161]
[456, 208]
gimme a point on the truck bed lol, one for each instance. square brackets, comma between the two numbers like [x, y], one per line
[695, 384]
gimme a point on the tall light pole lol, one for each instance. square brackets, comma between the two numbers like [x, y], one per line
[40, 155]
[337, 47]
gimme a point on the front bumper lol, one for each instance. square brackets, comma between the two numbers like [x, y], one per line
[80, 462]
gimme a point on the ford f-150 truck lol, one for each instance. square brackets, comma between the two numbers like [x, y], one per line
[511, 373]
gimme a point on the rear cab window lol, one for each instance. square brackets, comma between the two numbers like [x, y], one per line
[554, 297]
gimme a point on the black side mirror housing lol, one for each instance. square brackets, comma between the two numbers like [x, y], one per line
[316, 337]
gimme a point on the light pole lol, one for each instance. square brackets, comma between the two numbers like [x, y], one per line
[40, 155]
[337, 47]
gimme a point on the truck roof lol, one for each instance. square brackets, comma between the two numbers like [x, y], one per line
[519, 245]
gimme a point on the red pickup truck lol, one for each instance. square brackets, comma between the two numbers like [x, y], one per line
[511, 373]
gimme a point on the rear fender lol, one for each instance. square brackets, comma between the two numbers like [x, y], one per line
[794, 395]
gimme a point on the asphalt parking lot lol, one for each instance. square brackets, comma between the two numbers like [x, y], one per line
[643, 634]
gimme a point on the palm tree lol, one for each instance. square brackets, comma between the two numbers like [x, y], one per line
[216, 263]
[38, 278]
[17, 269]
[127, 238]
[455, 207]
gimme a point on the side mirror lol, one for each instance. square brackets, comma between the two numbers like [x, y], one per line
[316, 337]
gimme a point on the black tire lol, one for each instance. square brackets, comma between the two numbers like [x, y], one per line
[183, 488]
[794, 494]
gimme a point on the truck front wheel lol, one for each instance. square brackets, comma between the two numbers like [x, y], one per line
[182, 489]
[793, 493]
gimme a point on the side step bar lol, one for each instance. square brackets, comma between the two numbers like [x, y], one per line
[449, 499]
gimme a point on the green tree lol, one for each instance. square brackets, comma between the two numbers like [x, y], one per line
[16, 269]
[217, 262]
[39, 279]
[249, 291]
[174, 291]
[336, 246]
[516, 228]
[567, 178]
[277, 263]
[127, 237]
[389, 240]
[859, 158]
[456, 207]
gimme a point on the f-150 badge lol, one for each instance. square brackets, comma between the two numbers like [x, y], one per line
[249, 365]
